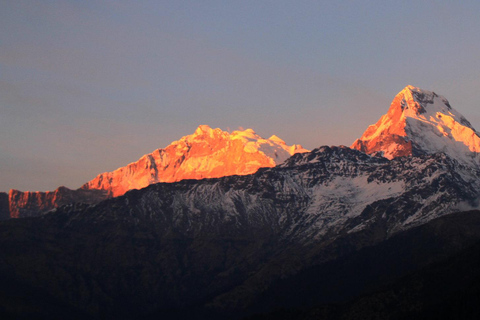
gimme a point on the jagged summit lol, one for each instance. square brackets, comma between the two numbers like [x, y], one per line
[207, 153]
[421, 122]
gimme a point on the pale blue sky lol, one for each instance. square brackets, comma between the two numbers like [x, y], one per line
[89, 86]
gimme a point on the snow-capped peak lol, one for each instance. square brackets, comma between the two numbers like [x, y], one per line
[203, 129]
[421, 122]
[207, 153]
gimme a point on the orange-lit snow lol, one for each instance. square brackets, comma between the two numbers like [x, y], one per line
[207, 153]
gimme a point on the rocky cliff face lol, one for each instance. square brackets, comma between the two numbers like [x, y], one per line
[30, 204]
[421, 122]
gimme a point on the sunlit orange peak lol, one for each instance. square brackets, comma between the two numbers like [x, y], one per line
[421, 122]
[207, 153]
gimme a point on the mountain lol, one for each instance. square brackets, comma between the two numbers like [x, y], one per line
[421, 122]
[207, 153]
[428, 272]
[329, 233]
[215, 246]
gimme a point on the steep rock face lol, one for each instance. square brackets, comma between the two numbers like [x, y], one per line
[208, 153]
[421, 122]
[28, 204]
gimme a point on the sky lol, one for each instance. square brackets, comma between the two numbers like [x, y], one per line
[90, 86]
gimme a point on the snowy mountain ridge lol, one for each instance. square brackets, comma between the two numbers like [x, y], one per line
[333, 191]
[419, 122]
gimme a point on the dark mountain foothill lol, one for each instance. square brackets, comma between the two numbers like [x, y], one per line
[429, 272]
